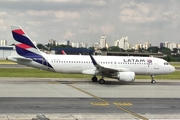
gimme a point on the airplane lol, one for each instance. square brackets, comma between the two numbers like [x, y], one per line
[122, 68]
[63, 52]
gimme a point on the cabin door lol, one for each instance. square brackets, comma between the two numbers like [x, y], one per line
[156, 64]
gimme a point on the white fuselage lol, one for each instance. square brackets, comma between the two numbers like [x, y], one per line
[80, 63]
[139, 65]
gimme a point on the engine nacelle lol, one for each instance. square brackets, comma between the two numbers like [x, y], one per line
[126, 76]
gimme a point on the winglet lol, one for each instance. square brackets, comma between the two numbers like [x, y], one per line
[93, 60]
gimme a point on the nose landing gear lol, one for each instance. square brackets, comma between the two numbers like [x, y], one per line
[153, 81]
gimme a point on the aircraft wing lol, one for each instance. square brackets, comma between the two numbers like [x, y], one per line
[101, 68]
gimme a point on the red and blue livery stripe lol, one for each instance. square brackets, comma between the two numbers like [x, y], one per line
[26, 47]
[19, 36]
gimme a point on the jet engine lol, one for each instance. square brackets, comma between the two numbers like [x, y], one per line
[126, 76]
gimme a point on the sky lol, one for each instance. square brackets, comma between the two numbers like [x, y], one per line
[152, 21]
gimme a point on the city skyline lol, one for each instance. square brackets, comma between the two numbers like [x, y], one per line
[121, 43]
[85, 21]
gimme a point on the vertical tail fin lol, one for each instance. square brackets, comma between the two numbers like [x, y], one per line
[25, 47]
[63, 52]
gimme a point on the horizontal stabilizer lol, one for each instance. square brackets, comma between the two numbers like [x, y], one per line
[19, 58]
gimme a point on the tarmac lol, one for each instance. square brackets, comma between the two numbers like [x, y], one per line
[81, 99]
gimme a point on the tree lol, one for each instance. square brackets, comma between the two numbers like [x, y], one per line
[104, 49]
[121, 50]
[175, 50]
[64, 46]
[113, 48]
[42, 47]
[140, 49]
[130, 50]
[170, 58]
[91, 48]
[165, 50]
[153, 49]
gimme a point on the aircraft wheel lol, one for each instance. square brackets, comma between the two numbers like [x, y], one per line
[101, 81]
[94, 79]
[153, 81]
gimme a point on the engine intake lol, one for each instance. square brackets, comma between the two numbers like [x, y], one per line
[126, 76]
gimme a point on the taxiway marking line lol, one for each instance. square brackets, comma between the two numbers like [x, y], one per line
[94, 96]
[56, 82]
[122, 103]
[132, 113]
[104, 102]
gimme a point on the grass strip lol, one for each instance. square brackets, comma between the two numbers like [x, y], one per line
[36, 73]
[6, 62]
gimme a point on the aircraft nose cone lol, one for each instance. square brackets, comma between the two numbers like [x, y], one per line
[172, 69]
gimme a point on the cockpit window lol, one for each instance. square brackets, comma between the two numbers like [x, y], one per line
[166, 63]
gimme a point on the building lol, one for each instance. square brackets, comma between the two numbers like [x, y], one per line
[137, 46]
[102, 43]
[178, 46]
[174, 45]
[96, 46]
[146, 45]
[64, 42]
[78, 44]
[52, 42]
[6, 51]
[161, 45]
[122, 43]
[169, 45]
[107, 46]
[3, 42]
[34, 42]
[82, 45]
[166, 44]
[73, 44]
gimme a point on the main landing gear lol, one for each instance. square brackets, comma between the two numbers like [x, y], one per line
[94, 79]
[101, 81]
[153, 81]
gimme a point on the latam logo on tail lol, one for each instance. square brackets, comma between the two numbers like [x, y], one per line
[121, 68]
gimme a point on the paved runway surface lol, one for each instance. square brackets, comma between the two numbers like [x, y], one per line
[24, 98]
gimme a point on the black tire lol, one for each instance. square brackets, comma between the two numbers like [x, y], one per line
[153, 81]
[101, 81]
[94, 79]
